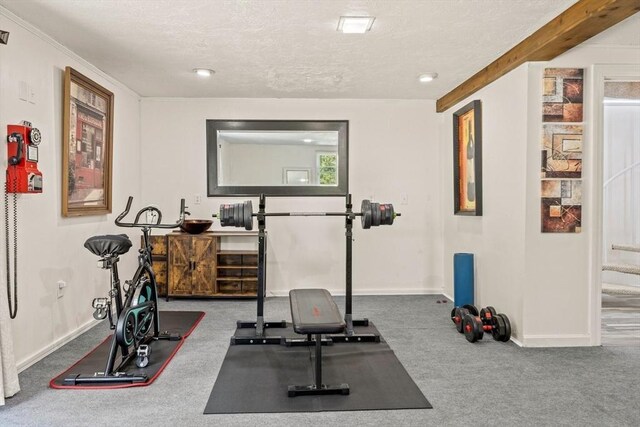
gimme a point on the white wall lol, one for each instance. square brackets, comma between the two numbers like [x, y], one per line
[497, 237]
[541, 281]
[50, 246]
[246, 164]
[393, 150]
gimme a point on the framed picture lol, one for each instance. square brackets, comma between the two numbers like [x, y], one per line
[87, 146]
[467, 160]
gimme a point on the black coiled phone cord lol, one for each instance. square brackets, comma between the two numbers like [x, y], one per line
[13, 304]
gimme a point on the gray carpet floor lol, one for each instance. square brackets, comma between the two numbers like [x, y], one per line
[487, 383]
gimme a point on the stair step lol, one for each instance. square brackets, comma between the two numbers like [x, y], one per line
[628, 248]
[622, 268]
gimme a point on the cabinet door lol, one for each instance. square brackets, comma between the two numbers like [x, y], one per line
[203, 253]
[179, 265]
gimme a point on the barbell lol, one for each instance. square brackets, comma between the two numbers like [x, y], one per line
[371, 214]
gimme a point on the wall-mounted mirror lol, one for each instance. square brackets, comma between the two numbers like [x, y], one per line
[277, 158]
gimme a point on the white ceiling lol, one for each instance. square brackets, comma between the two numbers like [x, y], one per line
[288, 48]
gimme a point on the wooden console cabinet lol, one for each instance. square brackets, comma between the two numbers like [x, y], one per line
[189, 265]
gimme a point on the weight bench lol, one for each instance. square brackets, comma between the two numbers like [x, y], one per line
[314, 312]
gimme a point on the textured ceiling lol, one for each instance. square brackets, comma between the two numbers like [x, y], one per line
[287, 48]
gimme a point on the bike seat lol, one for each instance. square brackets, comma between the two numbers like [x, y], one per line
[112, 244]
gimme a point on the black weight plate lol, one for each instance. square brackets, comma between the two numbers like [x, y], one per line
[248, 215]
[486, 316]
[472, 327]
[472, 309]
[225, 215]
[387, 210]
[365, 210]
[375, 214]
[459, 316]
[221, 215]
[229, 215]
[506, 334]
[492, 310]
[383, 213]
[392, 214]
[498, 328]
[453, 314]
[236, 214]
[240, 215]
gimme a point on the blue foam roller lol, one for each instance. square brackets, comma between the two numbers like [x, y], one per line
[463, 279]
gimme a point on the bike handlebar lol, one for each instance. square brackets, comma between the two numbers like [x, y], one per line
[153, 210]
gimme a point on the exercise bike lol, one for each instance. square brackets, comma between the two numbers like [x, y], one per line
[136, 322]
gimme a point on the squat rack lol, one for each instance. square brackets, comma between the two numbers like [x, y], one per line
[241, 215]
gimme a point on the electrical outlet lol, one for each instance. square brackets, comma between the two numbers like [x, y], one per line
[61, 285]
[197, 199]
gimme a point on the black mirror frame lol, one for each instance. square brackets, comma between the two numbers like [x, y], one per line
[341, 126]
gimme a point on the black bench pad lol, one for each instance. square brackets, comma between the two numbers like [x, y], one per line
[313, 311]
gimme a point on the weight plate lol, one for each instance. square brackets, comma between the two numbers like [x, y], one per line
[498, 328]
[375, 214]
[486, 316]
[248, 215]
[387, 214]
[383, 213]
[459, 316]
[236, 214]
[506, 334]
[392, 214]
[453, 314]
[365, 210]
[492, 310]
[472, 327]
[240, 215]
[224, 219]
[472, 309]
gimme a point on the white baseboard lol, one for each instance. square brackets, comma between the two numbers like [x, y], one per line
[36, 357]
[569, 340]
[516, 342]
[361, 292]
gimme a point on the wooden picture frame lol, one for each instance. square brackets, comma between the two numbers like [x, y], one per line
[86, 146]
[467, 160]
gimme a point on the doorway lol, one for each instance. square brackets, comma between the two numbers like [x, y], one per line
[620, 207]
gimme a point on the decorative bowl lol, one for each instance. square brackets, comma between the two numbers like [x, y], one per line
[196, 226]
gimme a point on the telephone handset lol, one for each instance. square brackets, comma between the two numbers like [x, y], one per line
[22, 176]
[17, 138]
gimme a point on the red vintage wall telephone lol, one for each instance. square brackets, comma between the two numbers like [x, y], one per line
[23, 176]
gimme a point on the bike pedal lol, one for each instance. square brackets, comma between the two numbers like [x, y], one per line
[142, 351]
[167, 336]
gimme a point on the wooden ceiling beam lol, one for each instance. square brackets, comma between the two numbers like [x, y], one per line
[583, 20]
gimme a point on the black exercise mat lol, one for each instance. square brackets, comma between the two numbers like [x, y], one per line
[254, 378]
[162, 351]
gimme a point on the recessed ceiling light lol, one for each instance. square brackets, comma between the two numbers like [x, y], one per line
[307, 140]
[203, 72]
[427, 77]
[355, 24]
